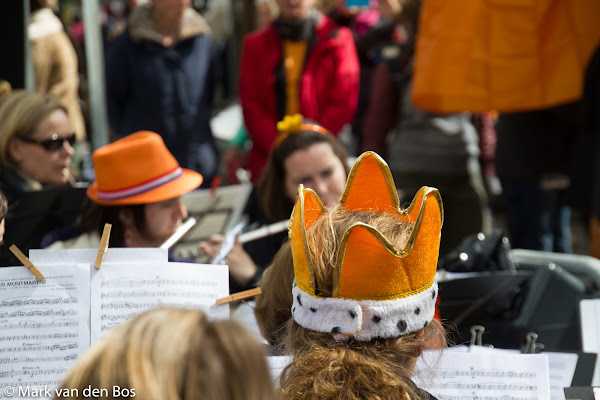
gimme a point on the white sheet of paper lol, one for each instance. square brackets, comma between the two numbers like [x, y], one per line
[277, 364]
[590, 331]
[561, 368]
[121, 291]
[472, 375]
[590, 325]
[44, 327]
[113, 255]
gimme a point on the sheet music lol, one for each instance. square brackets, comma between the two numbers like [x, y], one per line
[88, 256]
[121, 291]
[43, 327]
[470, 376]
[216, 211]
[561, 368]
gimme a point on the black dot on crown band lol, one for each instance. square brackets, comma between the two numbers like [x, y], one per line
[402, 325]
[433, 295]
[417, 311]
[313, 309]
[336, 329]
[293, 309]
[352, 314]
[376, 319]
[299, 300]
[425, 325]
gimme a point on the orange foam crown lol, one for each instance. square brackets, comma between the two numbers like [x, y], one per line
[372, 268]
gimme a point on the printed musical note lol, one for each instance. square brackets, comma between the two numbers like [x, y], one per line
[119, 292]
[493, 376]
[43, 327]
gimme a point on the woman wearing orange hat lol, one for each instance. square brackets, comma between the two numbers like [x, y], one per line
[137, 189]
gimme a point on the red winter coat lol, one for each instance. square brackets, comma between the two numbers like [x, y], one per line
[328, 91]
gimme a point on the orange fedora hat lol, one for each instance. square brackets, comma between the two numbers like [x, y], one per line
[139, 169]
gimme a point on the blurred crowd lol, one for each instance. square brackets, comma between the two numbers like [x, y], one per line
[170, 69]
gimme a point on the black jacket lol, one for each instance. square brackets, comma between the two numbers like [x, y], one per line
[168, 90]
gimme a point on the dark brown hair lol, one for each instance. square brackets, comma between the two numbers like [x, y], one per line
[271, 193]
[273, 306]
[94, 217]
[3, 206]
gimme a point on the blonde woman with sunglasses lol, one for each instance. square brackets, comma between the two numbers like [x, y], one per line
[36, 143]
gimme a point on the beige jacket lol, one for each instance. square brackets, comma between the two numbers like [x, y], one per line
[141, 25]
[55, 64]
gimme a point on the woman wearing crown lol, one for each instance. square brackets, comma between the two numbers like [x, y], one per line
[364, 294]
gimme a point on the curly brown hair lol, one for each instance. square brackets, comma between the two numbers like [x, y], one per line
[326, 369]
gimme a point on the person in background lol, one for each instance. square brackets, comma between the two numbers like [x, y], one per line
[421, 147]
[305, 153]
[138, 191]
[308, 65]
[236, 152]
[208, 361]
[365, 291]
[373, 27]
[36, 143]
[55, 61]
[588, 165]
[536, 184]
[161, 77]
[266, 12]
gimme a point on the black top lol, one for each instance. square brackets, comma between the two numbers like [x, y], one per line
[261, 250]
[13, 185]
[32, 215]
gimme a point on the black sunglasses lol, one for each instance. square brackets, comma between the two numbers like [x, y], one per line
[55, 143]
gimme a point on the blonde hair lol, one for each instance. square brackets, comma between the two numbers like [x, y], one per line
[208, 360]
[325, 369]
[21, 112]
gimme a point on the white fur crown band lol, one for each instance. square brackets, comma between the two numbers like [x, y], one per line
[364, 320]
